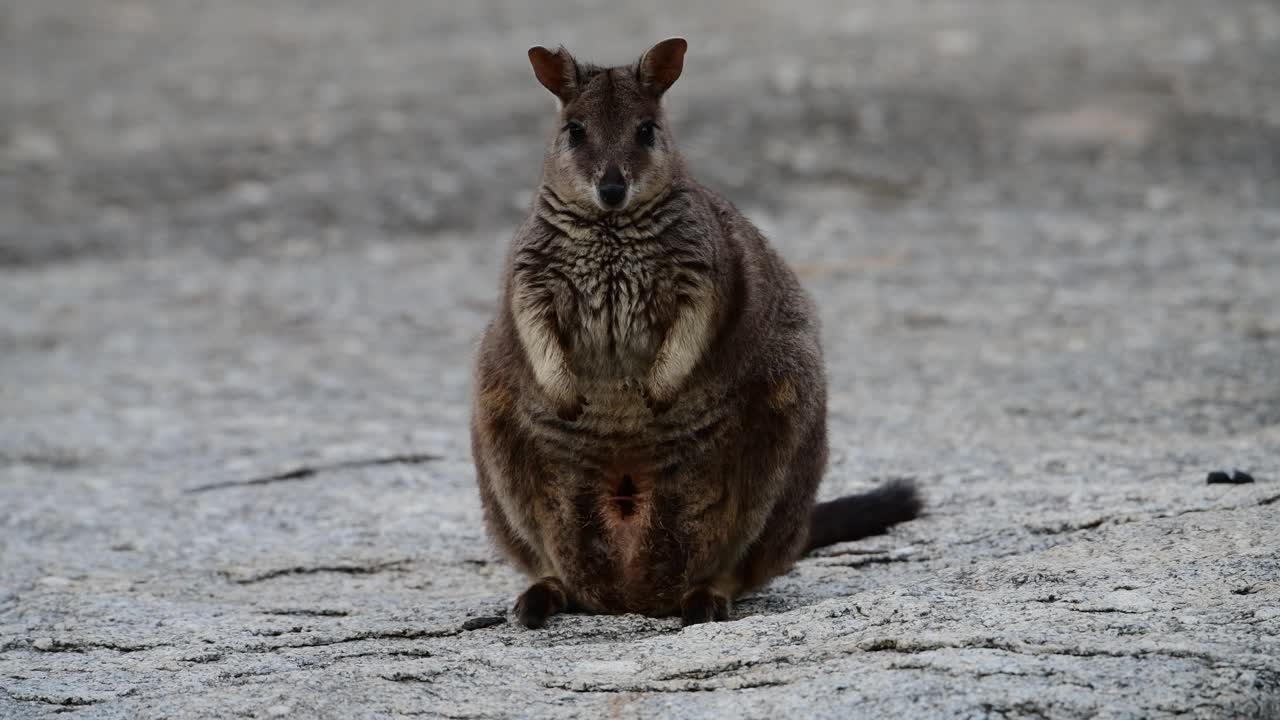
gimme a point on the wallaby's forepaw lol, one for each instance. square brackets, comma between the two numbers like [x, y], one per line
[657, 402]
[542, 600]
[652, 399]
[703, 605]
[570, 410]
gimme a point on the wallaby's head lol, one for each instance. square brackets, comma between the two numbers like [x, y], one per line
[611, 147]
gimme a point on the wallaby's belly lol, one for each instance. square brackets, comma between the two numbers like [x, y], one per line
[628, 522]
[627, 559]
[618, 483]
[627, 552]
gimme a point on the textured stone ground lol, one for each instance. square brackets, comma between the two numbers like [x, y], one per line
[246, 248]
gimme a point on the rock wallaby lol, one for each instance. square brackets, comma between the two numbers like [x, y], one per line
[649, 426]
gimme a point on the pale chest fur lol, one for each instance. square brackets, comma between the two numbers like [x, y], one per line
[612, 298]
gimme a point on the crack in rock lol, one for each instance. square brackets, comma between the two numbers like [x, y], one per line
[719, 677]
[1023, 709]
[306, 612]
[47, 460]
[418, 677]
[61, 700]
[910, 647]
[1106, 610]
[1057, 677]
[65, 701]
[308, 471]
[1070, 527]
[863, 559]
[729, 667]
[690, 686]
[345, 569]
[276, 632]
[421, 680]
[54, 645]
[405, 634]
[405, 652]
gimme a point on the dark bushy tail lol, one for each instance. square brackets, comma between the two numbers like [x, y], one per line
[858, 516]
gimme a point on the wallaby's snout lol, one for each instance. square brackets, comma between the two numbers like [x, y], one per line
[612, 188]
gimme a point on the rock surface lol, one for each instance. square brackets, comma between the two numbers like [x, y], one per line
[246, 248]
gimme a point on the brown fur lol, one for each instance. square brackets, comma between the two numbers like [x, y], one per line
[650, 420]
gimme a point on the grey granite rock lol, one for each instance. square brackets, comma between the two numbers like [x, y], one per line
[246, 248]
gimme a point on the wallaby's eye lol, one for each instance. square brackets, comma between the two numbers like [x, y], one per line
[644, 133]
[577, 133]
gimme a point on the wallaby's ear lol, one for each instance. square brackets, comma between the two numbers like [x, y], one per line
[660, 67]
[557, 71]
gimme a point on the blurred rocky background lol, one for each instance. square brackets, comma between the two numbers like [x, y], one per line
[246, 249]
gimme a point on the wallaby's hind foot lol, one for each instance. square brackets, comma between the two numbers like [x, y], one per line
[543, 599]
[703, 605]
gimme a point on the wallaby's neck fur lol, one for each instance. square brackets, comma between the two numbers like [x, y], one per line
[650, 422]
[641, 220]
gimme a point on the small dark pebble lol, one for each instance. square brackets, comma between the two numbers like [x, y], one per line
[1221, 478]
[479, 623]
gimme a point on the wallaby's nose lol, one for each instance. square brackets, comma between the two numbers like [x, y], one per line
[613, 187]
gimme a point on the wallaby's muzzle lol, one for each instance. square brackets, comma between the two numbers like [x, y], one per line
[612, 188]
